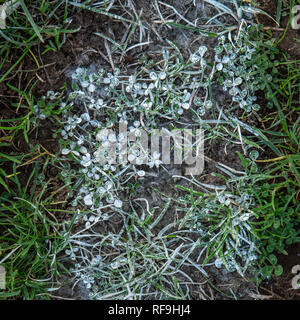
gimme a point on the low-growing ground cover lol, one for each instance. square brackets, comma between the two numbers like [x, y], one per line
[77, 224]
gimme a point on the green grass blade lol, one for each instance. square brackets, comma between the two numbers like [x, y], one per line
[30, 19]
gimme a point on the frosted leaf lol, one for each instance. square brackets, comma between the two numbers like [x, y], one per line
[149, 105]
[139, 161]
[221, 198]
[198, 102]
[102, 135]
[244, 93]
[187, 97]
[118, 203]
[95, 261]
[153, 76]
[228, 47]
[202, 50]
[88, 201]
[228, 83]
[245, 216]
[102, 190]
[254, 154]
[136, 123]
[108, 185]
[247, 108]
[80, 71]
[112, 137]
[180, 111]
[137, 132]
[218, 263]
[208, 104]
[137, 86]
[84, 84]
[106, 144]
[233, 56]
[95, 123]
[91, 88]
[236, 222]
[225, 59]
[88, 286]
[195, 85]
[243, 104]
[131, 157]
[234, 91]
[92, 77]
[78, 120]
[256, 107]
[221, 39]
[201, 111]
[115, 265]
[231, 74]
[237, 81]
[252, 258]
[141, 173]
[185, 106]
[219, 66]
[162, 75]
[245, 197]
[114, 82]
[195, 58]
[113, 168]
[132, 79]
[217, 58]
[85, 117]
[65, 151]
[227, 202]
[151, 86]
[36, 109]
[86, 161]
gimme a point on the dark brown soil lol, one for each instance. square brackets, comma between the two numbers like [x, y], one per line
[83, 49]
[287, 38]
[281, 288]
